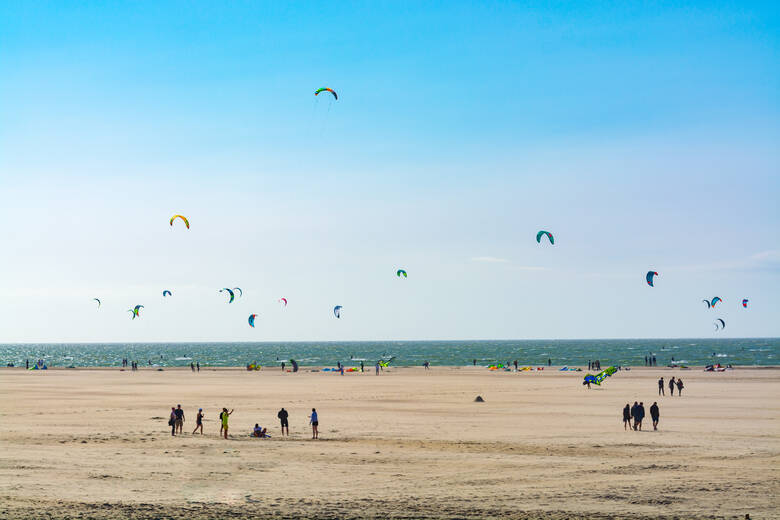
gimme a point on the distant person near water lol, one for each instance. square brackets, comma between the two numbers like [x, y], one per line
[282, 366]
[475, 362]
[627, 417]
[199, 422]
[427, 365]
[315, 422]
[179, 419]
[671, 386]
[283, 415]
[361, 367]
[197, 365]
[549, 362]
[225, 414]
[654, 414]
[661, 386]
[377, 368]
[679, 387]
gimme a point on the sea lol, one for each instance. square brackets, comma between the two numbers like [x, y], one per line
[625, 352]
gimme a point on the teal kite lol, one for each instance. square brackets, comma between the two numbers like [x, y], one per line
[400, 273]
[230, 292]
[252, 320]
[540, 234]
[166, 292]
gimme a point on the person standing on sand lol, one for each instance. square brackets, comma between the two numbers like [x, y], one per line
[661, 386]
[377, 368]
[341, 369]
[283, 415]
[199, 422]
[179, 419]
[654, 414]
[172, 421]
[361, 367]
[192, 366]
[315, 422]
[427, 365]
[197, 365]
[475, 362]
[679, 387]
[549, 362]
[627, 417]
[282, 366]
[515, 365]
[641, 413]
[225, 415]
[671, 386]
[635, 414]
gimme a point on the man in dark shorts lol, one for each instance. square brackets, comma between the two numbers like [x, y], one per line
[315, 423]
[654, 414]
[661, 386]
[671, 386]
[179, 419]
[283, 415]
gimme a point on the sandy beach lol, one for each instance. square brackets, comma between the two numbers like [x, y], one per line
[408, 444]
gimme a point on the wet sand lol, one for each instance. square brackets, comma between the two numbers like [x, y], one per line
[94, 443]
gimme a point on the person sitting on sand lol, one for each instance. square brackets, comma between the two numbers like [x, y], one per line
[225, 415]
[199, 422]
[654, 414]
[627, 417]
[259, 431]
[679, 387]
[671, 386]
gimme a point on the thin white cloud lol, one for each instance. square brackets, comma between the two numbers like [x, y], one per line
[490, 260]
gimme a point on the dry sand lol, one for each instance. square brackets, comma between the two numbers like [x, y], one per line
[408, 444]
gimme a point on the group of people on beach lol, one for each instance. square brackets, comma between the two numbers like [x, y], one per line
[176, 422]
[672, 384]
[636, 413]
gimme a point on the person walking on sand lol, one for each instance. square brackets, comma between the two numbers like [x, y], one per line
[679, 387]
[641, 413]
[635, 414]
[671, 386]
[172, 421]
[179, 419]
[654, 414]
[283, 415]
[661, 386]
[225, 415]
[627, 417]
[314, 421]
[199, 422]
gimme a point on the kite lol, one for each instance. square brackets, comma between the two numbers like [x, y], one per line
[324, 89]
[722, 324]
[715, 300]
[240, 292]
[232, 295]
[167, 292]
[99, 301]
[708, 303]
[136, 310]
[337, 311]
[252, 320]
[598, 378]
[284, 301]
[649, 277]
[540, 234]
[400, 273]
[744, 303]
[183, 218]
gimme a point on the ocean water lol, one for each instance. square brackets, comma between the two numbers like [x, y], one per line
[626, 352]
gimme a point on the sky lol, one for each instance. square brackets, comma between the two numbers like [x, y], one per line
[643, 135]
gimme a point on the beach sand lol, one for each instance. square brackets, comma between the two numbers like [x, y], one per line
[410, 444]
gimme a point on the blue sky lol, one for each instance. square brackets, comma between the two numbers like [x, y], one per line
[643, 135]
